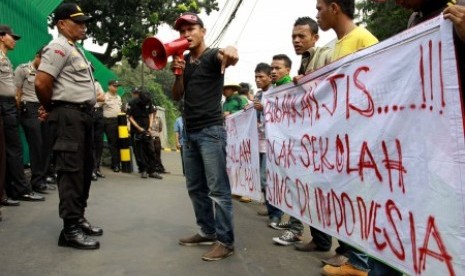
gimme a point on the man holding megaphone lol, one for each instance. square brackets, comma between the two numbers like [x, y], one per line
[200, 84]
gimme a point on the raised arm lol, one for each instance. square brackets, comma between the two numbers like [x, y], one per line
[228, 56]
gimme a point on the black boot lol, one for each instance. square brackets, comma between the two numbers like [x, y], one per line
[89, 229]
[73, 236]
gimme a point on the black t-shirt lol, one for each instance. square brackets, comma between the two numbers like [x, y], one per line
[140, 111]
[203, 88]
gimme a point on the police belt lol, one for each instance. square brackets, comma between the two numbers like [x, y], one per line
[82, 107]
[7, 99]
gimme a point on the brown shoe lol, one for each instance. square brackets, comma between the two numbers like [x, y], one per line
[218, 252]
[197, 240]
[344, 270]
[336, 260]
[245, 199]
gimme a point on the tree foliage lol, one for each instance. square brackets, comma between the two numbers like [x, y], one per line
[124, 24]
[383, 19]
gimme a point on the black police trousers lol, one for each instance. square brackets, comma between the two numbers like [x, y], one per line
[15, 179]
[72, 139]
[34, 131]
[111, 130]
[98, 137]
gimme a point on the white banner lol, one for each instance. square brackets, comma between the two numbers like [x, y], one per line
[242, 154]
[370, 149]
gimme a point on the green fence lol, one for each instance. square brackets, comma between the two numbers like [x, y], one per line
[29, 18]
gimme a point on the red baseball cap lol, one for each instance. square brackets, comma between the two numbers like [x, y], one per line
[188, 18]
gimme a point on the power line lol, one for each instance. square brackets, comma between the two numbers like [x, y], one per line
[216, 42]
[246, 22]
[216, 25]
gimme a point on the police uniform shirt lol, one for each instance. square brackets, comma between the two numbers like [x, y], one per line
[7, 86]
[25, 74]
[73, 78]
[111, 105]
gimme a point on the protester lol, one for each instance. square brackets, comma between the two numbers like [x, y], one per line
[304, 38]
[338, 15]
[111, 109]
[245, 92]
[280, 70]
[70, 105]
[263, 82]
[98, 126]
[16, 185]
[140, 111]
[233, 102]
[204, 149]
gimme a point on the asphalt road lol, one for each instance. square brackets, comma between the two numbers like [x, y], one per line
[142, 220]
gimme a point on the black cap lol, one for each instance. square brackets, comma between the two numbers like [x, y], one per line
[5, 29]
[114, 83]
[70, 11]
[187, 18]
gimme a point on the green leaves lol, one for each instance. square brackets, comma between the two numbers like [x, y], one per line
[383, 19]
[124, 24]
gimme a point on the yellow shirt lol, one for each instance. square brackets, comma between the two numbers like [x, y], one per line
[357, 39]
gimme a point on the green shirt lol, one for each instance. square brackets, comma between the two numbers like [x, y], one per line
[233, 104]
[284, 80]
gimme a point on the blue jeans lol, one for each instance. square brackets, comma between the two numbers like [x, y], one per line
[378, 268]
[273, 212]
[208, 183]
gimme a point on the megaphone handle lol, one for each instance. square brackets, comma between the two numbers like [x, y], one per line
[178, 71]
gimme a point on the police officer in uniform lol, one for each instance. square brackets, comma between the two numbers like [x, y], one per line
[98, 131]
[65, 87]
[111, 109]
[16, 185]
[25, 75]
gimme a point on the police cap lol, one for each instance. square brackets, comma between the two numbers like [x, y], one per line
[70, 11]
[5, 29]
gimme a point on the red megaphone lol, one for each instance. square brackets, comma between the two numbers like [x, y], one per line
[155, 54]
